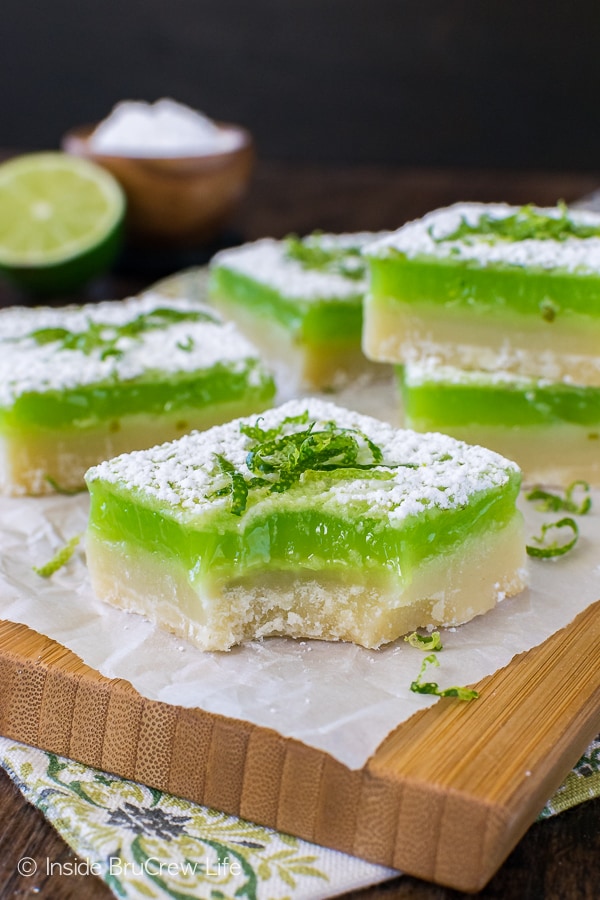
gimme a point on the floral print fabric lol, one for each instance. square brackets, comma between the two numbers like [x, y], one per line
[148, 844]
[145, 843]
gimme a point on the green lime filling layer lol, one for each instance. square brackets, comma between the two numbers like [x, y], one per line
[296, 536]
[466, 286]
[153, 394]
[435, 404]
[313, 321]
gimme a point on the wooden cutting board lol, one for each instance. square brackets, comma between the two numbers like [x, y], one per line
[445, 797]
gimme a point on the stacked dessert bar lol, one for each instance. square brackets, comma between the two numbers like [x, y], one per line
[492, 314]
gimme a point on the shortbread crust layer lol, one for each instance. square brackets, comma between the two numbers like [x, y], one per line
[344, 605]
[398, 332]
[43, 461]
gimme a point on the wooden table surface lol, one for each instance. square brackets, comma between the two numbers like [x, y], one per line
[558, 858]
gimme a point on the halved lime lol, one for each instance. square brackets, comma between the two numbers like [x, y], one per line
[61, 221]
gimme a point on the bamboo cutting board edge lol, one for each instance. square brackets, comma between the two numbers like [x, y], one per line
[445, 797]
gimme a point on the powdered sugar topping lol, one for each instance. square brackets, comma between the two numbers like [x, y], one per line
[421, 471]
[266, 262]
[43, 363]
[429, 371]
[427, 237]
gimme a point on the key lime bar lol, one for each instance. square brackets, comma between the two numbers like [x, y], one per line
[490, 287]
[300, 301]
[551, 429]
[310, 521]
[81, 384]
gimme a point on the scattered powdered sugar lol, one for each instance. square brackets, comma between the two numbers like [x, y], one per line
[30, 366]
[427, 237]
[429, 371]
[185, 474]
[266, 262]
[164, 128]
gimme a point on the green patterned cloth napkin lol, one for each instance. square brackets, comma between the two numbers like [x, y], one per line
[148, 844]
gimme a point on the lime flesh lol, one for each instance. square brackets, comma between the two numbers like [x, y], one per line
[61, 221]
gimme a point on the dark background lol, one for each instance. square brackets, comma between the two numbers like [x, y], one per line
[436, 82]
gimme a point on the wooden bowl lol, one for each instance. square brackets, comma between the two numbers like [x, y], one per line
[180, 201]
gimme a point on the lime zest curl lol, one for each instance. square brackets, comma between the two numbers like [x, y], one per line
[549, 551]
[278, 458]
[67, 492]
[418, 686]
[551, 502]
[426, 642]
[60, 559]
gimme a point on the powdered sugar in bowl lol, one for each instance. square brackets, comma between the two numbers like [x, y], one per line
[183, 173]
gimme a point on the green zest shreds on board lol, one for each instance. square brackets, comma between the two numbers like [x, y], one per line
[419, 686]
[60, 559]
[426, 642]
[544, 550]
[308, 500]
[551, 502]
[432, 643]
[61, 221]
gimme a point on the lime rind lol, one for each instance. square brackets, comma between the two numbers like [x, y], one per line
[55, 210]
[67, 276]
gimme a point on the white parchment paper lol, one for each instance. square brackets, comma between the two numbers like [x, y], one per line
[337, 697]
